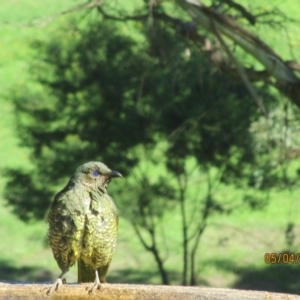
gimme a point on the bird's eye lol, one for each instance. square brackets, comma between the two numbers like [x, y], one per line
[96, 174]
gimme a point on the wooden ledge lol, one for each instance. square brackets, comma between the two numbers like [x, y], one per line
[134, 292]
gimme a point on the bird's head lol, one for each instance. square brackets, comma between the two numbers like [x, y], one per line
[95, 175]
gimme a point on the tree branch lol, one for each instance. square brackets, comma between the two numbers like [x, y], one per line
[243, 75]
[286, 81]
[251, 18]
[189, 30]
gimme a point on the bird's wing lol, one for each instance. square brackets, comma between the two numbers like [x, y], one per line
[66, 226]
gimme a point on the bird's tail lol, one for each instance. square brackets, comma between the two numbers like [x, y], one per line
[85, 273]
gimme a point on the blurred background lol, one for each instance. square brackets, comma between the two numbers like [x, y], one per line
[211, 171]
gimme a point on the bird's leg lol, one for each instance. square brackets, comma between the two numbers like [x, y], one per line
[96, 285]
[58, 283]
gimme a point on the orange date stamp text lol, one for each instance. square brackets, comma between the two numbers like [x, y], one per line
[281, 258]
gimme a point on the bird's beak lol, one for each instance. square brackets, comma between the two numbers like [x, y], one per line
[114, 174]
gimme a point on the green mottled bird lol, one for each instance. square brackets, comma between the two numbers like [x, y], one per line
[83, 223]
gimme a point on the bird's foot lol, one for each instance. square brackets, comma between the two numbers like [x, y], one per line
[55, 286]
[95, 286]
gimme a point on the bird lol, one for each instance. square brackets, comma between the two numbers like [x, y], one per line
[83, 224]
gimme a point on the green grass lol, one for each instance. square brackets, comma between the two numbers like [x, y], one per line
[232, 247]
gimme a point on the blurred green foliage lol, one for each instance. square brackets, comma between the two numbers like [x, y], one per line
[105, 93]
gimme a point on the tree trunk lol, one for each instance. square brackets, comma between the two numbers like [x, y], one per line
[153, 249]
[184, 236]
